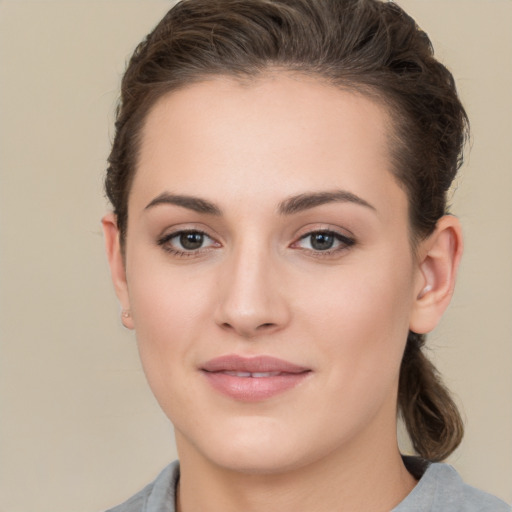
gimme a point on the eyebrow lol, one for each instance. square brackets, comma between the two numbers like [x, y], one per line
[289, 206]
[190, 202]
[306, 201]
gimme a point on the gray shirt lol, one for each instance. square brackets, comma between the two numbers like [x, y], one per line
[440, 489]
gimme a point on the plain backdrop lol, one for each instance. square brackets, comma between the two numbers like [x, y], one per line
[80, 431]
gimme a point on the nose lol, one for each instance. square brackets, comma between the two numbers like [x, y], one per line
[252, 299]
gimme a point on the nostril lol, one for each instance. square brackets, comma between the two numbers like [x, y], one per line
[248, 331]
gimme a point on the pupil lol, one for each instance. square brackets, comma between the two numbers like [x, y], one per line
[191, 241]
[322, 241]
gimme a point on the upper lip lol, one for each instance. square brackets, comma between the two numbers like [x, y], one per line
[262, 364]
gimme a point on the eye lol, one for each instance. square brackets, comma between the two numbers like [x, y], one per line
[186, 242]
[190, 241]
[324, 241]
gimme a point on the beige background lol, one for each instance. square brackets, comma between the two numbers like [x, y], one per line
[79, 429]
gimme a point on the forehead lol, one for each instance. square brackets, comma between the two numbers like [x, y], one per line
[280, 134]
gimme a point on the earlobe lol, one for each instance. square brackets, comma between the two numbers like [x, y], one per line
[439, 257]
[117, 267]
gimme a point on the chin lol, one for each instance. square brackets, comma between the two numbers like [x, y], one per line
[257, 461]
[250, 447]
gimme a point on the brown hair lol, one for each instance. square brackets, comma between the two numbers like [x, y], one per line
[362, 45]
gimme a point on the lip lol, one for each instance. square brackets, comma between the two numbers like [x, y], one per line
[273, 376]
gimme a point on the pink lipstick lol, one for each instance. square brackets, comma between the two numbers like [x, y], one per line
[252, 379]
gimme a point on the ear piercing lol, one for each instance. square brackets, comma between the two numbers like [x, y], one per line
[125, 313]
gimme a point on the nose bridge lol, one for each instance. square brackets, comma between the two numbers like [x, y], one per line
[251, 300]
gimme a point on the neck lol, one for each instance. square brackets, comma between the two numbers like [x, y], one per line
[359, 478]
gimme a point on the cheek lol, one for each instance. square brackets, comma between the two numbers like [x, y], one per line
[164, 299]
[361, 332]
[362, 315]
[169, 313]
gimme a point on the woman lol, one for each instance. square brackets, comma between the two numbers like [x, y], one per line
[280, 243]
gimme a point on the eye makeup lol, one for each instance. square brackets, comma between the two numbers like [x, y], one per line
[187, 242]
[323, 243]
[195, 242]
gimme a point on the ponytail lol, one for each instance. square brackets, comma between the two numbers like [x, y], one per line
[432, 419]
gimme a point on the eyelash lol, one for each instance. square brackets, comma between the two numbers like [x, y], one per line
[344, 242]
[165, 243]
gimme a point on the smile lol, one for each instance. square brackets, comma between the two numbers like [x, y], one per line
[255, 375]
[253, 379]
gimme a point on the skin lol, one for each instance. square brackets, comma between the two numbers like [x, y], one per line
[257, 286]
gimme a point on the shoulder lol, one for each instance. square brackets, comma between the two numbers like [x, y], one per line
[452, 491]
[441, 489]
[158, 496]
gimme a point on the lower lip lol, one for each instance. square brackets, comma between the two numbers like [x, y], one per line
[253, 389]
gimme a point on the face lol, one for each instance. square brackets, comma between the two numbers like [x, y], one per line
[269, 271]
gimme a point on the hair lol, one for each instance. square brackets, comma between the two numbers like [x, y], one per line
[365, 46]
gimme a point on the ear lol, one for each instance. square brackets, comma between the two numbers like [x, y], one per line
[438, 260]
[117, 267]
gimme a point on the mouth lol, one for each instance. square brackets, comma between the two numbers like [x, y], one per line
[253, 375]
[251, 379]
